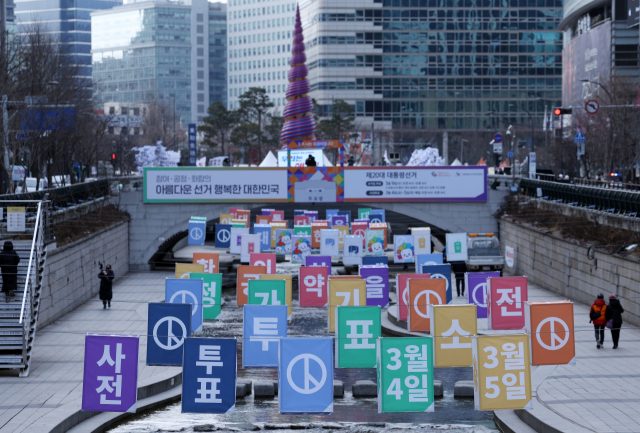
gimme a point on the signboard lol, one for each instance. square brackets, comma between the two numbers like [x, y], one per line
[110, 378]
[236, 239]
[375, 260]
[344, 293]
[342, 232]
[359, 229]
[452, 328]
[298, 157]
[184, 269]
[305, 375]
[300, 220]
[312, 214]
[284, 239]
[16, 219]
[364, 213]
[377, 284]
[532, 165]
[312, 282]
[225, 218]
[339, 220]
[319, 261]
[497, 138]
[352, 250]
[550, 328]
[422, 294]
[330, 243]
[288, 285]
[193, 145]
[265, 292]
[249, 244]
[267, 260]
[274, 240]
[476, 284]
[509, 256]
[405, 374]
[422, 240]
[168, 326]
[506, 297]
[428, 260]
[357, 329]
[264, 230]
[456, 247]
[211, 295]
[181, 291]
[210, 261]
[263, 326]
[302, 230]
[301, 248]
[244, 275]
[403, 249]
[402, 290]
[377, 216]
[579, 138]
[501, 372]
[374, 243]
[361, 184]
[209, 375]
[223, 235]
[441, 271]
[316, 233]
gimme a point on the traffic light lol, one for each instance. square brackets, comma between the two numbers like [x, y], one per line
[561, 110]
[114, 159]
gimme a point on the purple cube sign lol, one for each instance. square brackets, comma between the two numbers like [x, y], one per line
[377, 281]
[110, 382]
[338, 220]
[476, 284]
[318, 261]
[312, 214]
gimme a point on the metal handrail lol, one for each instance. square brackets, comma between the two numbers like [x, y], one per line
[33, 244]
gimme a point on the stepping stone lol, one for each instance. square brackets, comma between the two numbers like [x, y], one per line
[275, 387]
[244, 426]
[463, 389]
[365, 388]
[438, 388]
[338, 388]
[263, 389]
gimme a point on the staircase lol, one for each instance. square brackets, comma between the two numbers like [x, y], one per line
[19, 315]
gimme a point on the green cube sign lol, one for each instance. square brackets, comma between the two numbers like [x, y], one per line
[302, 230]
[211, 296]
[267, 292]
[363, 214]
[405, 374]
[357, 330]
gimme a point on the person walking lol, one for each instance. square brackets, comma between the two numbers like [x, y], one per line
[459, 268]
[9, 260]
[597, 314]
[106, 290]
[614, 314]
[311, 161]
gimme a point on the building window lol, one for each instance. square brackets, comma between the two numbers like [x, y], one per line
[200, 17]
[200, 75]
[200, 28]
[200, 40]
[200, 52]
[200, 97]
[136, 111]
[200, 63]
[124, 111]
[112, 110]
[200, 85]
[200, 109]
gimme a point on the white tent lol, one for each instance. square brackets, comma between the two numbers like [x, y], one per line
[456, 163]
[269, 161]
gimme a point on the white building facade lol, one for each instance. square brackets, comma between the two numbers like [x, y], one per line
[259, 48]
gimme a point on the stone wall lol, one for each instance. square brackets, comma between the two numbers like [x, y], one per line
[71, 272]
[562, 266]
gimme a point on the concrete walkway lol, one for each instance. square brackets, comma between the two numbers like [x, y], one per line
[53, 391]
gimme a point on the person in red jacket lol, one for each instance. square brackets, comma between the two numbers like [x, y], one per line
[597, 314]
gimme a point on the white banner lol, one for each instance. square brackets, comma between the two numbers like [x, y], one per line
[456, 247]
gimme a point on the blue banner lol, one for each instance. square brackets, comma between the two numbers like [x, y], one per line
[440, 271]
[375, 260]
[263, 326]
[298, 212]
[377, 216]
[347, 214]
[186, 291]
[197, 232]
[209, 375]
[264, 230]
[427, 260]
[193, 145]
[223, 235]
[169, 325]
[305, 375]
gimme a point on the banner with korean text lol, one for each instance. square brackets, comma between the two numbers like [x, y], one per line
[168, 326]
[452, 327]
[263, 326]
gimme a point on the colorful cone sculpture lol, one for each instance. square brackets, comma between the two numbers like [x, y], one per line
[298, 119]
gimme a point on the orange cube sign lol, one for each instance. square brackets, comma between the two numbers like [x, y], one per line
[210, 261]
[246, 273]
[316, 233]
[549, 326]
[423, 293]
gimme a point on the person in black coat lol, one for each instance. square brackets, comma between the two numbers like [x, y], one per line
[9, 260]
[614, 313]
[459, 268]
[106, 281]
[311, 161]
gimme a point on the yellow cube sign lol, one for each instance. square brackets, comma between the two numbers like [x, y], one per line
[184, 269]
[343, 293]
[452, 326]
[342, 232]
[274, 227]
[288, 279]
[225, 218]
[501, 372]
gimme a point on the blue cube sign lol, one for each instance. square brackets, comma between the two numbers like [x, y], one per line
[168, 326]
[193, 149]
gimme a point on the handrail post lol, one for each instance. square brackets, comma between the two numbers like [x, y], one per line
[33, 243]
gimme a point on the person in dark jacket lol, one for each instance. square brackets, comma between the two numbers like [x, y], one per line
[106, 280]
[614, 313]
[311, 161]
[459, 268]
[597, 314]
[9, 260]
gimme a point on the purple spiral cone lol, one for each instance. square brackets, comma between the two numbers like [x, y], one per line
[298, 120]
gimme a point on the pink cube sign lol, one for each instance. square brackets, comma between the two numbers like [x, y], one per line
[312, 282]
[301, 220]
[402, 290]
[264, 259]
[359, 229]
[506, 297]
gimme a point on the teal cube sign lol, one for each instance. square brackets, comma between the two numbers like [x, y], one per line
[405, 374]
[358, 329]
[267, 292]
[211, 296]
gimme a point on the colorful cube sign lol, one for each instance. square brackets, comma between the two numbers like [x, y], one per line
[312, 214]
[209, 375]
[263, 219]
[288, 284]
[501, 372]
[374, 243]
[110, 378]
[223, 235]
[211, 295]
[339, 220]
[302, 231]
[342, 232]
[210, 261]
[264, 230]
[343, 293]
[330, 243]
[403, 249]
[357, 329]
[506, 297]
[168, 326]
[423, 293]
[363, 213]
[267, 260]
[550, 328]
[476, 284]
[249, 244]
[235, 246]
[405, 374]
[265, 292]
[301, 220]
[402, 291]
[377, 216]
[422, 240]
[246, 273]
[359, 229]
[318, 261]
[377, 283]
[312, 284]
[384, 228]
[197, 232]
[452, 327]
[300, 249]
[186, 291]
[276, 226]
[427, 260]
[263, 327]
[225, 218]
[284, 238]
[457, 247]
[316, 233]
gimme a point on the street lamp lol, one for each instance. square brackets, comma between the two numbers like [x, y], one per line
[611, 118]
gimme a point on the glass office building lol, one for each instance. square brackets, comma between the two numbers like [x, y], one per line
[436, 64]
[10, 15]
[172, 52]
[68, 21]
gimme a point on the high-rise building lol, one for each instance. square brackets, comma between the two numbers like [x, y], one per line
[68, 22]
[438, 65]
[10, 16]
[260, 36]
[171, 52]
